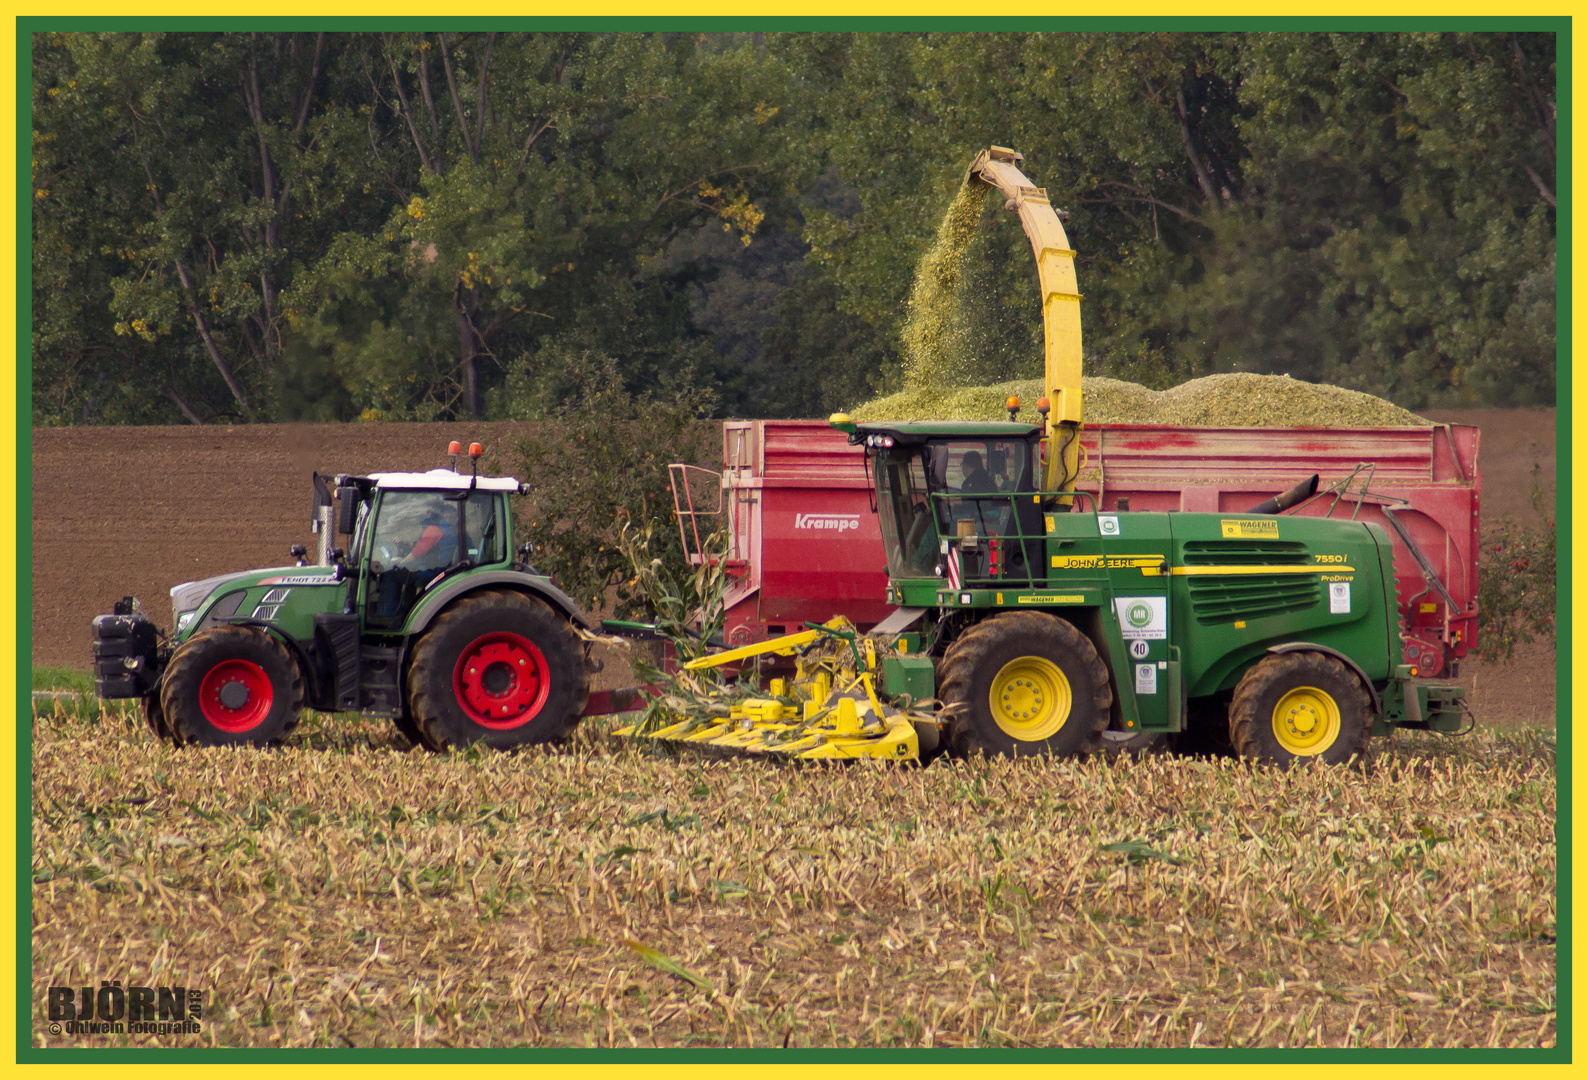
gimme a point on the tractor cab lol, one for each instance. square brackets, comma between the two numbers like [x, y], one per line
[957, 502]
[413, 530]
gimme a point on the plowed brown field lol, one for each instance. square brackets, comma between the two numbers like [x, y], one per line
[120, 511]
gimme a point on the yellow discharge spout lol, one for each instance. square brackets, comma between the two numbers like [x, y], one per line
[998, 167]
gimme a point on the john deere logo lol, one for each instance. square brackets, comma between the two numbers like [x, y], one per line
[1139, 615]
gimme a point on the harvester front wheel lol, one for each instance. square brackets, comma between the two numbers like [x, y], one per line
[1024, 683]
[231, 686]
[1297, 706]
[500, 668]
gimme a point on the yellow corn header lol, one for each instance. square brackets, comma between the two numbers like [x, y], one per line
[829, 709]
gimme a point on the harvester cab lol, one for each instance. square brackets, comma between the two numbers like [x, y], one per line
[416, 611]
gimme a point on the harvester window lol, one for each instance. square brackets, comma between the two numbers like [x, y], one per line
[972, 474]
[905, 512]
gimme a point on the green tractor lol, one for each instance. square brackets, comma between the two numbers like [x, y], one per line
[1047, 627]
[429, 617]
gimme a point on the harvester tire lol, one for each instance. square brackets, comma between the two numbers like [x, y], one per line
[1297, 706]
[231, 686]
[498, 668]
[1052, 688]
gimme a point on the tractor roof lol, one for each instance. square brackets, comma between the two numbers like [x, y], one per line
[441, 480]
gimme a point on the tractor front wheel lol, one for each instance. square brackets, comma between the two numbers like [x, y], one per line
[1295, 706]
[230, 686]
[1024, 683]
[499, 668]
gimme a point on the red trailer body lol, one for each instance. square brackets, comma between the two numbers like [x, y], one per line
[805, 543]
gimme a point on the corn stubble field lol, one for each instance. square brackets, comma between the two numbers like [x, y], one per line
[342, 891]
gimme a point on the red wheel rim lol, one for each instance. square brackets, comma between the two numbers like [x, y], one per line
[236, 695]
[501, 680]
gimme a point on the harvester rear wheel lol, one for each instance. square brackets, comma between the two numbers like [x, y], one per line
[231, 686]
[1295, 706]
[1024, 683]
[499, 668]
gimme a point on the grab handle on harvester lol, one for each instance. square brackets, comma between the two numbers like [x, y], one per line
[998, 167]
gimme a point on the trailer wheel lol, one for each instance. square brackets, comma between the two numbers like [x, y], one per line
[499, 668]
[1291, 707]
[1024, 683]
[231, 686]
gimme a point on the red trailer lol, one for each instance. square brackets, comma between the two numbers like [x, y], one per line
[804, 543]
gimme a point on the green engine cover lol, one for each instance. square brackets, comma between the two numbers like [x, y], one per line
[1181, 604]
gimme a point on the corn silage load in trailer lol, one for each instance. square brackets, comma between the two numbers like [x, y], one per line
[1234, 400]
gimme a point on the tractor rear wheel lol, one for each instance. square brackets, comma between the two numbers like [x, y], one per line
[500, 668]
[1294, 706]
[1024, 683]
[231, 686]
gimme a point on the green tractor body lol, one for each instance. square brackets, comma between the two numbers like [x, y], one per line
[427, 618]
[1046, 626]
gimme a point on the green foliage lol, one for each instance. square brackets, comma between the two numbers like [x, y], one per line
[330, 226]
[1516, 583]
[1375, 211]
[601, 468]
[63, 678]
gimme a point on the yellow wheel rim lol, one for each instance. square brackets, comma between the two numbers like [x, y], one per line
[1030, 698]
[1306, 721]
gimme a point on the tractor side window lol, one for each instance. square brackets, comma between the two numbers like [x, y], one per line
[360, 534]
[418, 536]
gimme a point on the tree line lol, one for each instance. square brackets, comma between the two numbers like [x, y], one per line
[327, 226]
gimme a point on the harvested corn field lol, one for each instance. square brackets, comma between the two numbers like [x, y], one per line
[342, 892]
[1234, 400]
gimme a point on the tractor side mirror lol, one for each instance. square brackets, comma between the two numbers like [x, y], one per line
[347, 511]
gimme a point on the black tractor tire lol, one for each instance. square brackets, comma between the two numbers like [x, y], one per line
[154, 715]
[980, 657]
[1318, 703]
[231, 686]
[409, 729]
[526, 682]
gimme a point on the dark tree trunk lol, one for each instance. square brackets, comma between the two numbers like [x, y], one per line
[469, 360]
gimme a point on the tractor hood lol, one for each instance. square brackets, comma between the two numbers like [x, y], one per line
[191, 594]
